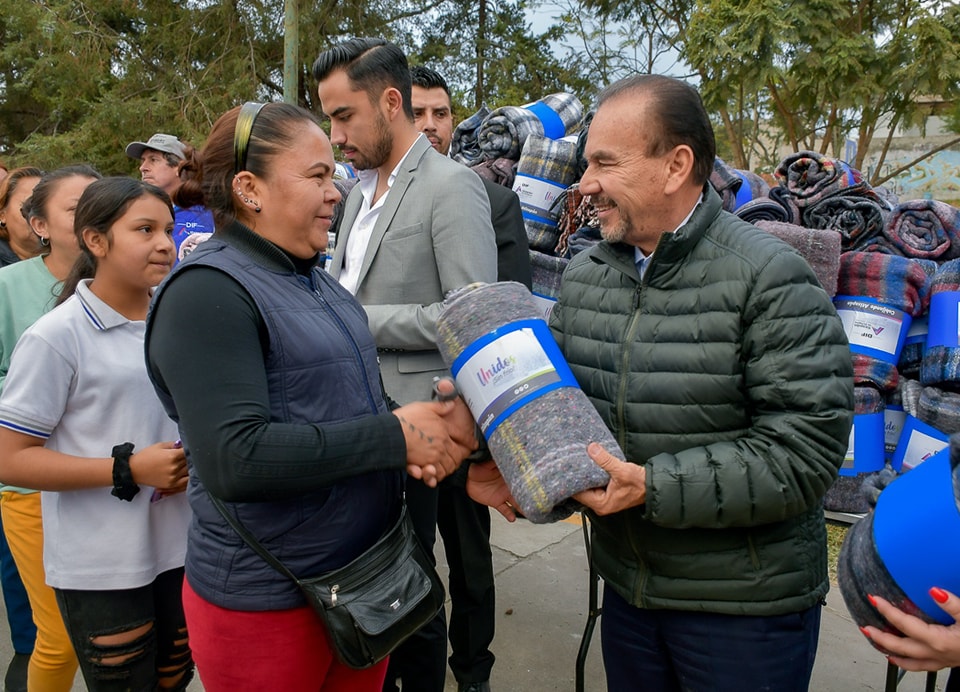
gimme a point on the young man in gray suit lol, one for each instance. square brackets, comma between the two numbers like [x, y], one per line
[416, 226]
[463, 523]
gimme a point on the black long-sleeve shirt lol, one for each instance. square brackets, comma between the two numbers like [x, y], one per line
[207, 347]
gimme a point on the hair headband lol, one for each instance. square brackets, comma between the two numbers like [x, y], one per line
[241, 134]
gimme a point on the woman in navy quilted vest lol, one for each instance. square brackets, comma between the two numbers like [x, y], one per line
[270, 371]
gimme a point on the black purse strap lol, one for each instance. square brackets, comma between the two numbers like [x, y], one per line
[248, 538]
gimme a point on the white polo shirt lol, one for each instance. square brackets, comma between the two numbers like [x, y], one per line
[78, 379]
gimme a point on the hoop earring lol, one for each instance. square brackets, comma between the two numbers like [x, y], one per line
[3, 224]
[44, 241]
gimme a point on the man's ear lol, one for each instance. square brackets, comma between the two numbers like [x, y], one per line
[96, 242]
[679, 165]
[392, 102]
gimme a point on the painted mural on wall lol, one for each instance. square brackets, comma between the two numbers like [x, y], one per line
[937, 177]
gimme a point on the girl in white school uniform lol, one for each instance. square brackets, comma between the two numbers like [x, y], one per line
[80, 421]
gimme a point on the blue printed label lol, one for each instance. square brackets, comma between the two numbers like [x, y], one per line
[873, 329]
[507, 369]
[865, 446]
[918, 442]
[944, 320]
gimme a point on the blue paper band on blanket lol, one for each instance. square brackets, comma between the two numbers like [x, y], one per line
[492, 337]
[892, 282]
[464, 146]
[855, 218]
[924, 228]
[505, 130]
[897, 551]
[941, 358]
[865, 453]
[547, 167]
[810, 177]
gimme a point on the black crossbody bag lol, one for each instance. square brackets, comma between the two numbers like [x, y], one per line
[372, 604]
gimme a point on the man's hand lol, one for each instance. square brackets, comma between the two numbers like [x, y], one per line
[439, 435]
[627, 487]
[486, 485]
[923, 646]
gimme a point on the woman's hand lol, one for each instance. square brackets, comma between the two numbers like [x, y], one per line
[439, 436]
[162, 465]
[923, 646]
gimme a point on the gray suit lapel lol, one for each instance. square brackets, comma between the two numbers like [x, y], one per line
[391, 204]
[350, 210]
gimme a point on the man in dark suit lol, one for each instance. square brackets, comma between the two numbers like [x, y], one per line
[463, 523]
[415, 226]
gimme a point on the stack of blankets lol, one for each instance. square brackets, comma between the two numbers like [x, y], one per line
[531, 149]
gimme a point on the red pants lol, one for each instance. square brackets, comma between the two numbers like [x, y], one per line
[240, 651]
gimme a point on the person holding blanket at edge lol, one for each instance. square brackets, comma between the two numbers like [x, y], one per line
[721, 368]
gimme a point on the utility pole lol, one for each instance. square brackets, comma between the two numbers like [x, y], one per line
[291, 62]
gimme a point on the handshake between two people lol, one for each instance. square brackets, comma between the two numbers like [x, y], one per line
[439, 434]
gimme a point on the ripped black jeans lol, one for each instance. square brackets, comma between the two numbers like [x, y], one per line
[132, 639]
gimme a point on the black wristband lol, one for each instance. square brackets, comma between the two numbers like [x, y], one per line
[123, 485]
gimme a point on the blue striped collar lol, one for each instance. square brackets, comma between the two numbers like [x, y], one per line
[101, 315]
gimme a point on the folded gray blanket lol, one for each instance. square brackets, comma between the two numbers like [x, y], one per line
[546, 168]
[464, 147]
[504, 131]
[536, 419]
[821, 249]
[764, 209]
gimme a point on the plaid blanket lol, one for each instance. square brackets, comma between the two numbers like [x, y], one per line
[505, 130]
[810, 177]
[735, 187]
[924, 228]
[547, 167]
[464, 146]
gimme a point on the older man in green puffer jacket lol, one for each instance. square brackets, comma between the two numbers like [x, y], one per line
[723, 371]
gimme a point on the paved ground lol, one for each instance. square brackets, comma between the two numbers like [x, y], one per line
[542, 608]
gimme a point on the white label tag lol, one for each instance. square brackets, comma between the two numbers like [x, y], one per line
[502, 372]
[536, 193]
[871, 329]
[921, 447]
[892, 427]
